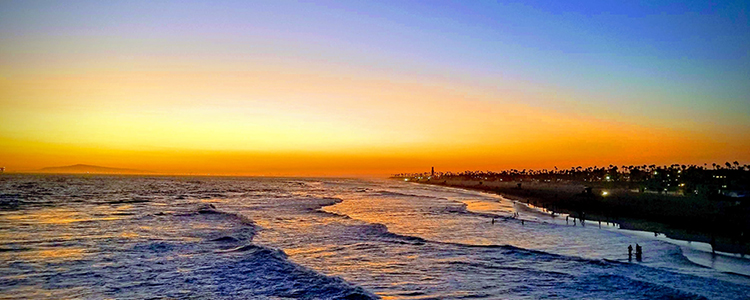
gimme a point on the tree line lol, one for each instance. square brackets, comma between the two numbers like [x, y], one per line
[729, 179]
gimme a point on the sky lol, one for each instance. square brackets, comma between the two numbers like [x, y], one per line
[371, 88]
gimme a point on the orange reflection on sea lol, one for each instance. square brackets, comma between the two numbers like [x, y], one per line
[305, 250]
[487, 206]
[124, 207]
[45, 255]
[129, 234]
[43, 292]
[57, 216]
[211, 200]
[62, 254]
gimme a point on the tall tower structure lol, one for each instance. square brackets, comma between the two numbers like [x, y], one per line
[433, 172]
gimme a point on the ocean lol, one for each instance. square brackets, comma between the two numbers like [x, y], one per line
[155, 237]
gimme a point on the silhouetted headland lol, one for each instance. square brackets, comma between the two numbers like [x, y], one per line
[686, 202]
[90, 169]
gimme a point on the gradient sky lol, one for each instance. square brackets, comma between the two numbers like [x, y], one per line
[363, 88]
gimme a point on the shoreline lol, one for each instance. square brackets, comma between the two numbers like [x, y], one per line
[563, 198]
[643, 233]
[696, 252]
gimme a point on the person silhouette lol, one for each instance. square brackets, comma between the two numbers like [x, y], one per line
[638, 252]
[630, 252]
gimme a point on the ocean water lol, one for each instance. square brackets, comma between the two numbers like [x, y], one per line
[131, 237]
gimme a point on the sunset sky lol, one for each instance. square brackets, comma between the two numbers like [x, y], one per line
[362, 88]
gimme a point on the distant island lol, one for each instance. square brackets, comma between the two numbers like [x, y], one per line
[81, 168]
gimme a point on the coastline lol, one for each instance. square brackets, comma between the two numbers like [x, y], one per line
[566, 198]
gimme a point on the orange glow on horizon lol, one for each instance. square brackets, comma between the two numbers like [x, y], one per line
[280, 121]
[358, 89]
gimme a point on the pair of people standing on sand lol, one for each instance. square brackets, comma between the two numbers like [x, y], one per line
[638, 252]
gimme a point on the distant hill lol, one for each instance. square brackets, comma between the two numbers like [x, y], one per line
[79, 168]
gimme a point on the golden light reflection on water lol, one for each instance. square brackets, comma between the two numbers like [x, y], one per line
[305, 250]
[48, 255]
[129, 234]
[46, 216]
[7, 235]
[62, 254]
[296, 224]
[124, 207]
[55, 216]
[40, 291]
[486, 206]
[211, 200]
[52, 230]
